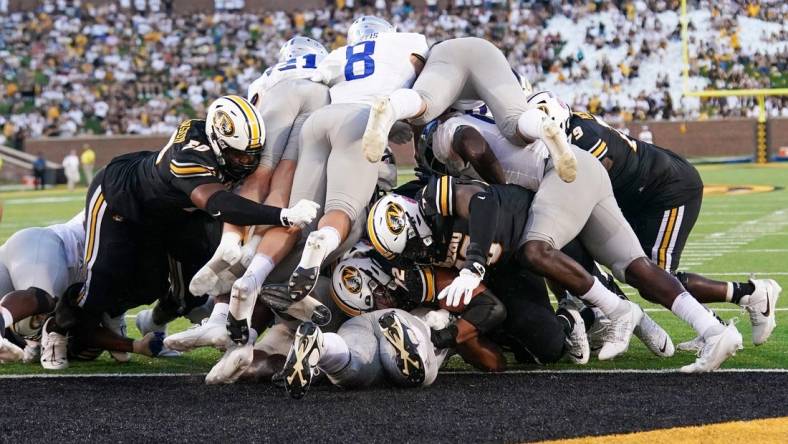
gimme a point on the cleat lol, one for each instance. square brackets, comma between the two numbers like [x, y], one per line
[206, 280]
[278, 299]
[32, 352]
[235, 361]
[694, 345]
[654, 337]
[596, 334]
[716, 350]
[400, 337]
[564, 159]
[761, 306]
[208, 334]
[577, 347]
[619, 332]
[376, 134]
[301, 364]
[302, 281]
[53, 349]
[10, 352]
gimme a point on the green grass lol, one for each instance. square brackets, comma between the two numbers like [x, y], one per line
[736, 235]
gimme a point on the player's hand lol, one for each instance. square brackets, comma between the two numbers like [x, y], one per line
[300, 214]
[461, 288]
[227, 253]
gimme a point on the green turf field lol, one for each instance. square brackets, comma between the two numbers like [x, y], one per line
[739, 232]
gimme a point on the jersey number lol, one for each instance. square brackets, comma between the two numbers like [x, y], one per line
[310, 63]
[624, 137]
[365, 57]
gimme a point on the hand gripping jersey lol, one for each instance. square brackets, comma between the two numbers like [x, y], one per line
[301, 67]
[145, 185]
[452, 234]
[643, 175]
[521, 166]
[373, 68]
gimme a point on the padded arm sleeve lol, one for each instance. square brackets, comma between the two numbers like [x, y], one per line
[482, 226]
[231, 208]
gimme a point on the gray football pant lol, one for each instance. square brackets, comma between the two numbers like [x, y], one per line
[585, 208]
[332, 169]
[284, 109]
[474, 69]
[373, 359]
[34, 257]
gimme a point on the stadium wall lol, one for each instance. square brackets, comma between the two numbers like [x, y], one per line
[716, 138]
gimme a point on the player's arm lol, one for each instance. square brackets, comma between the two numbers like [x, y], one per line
[469, 144]
[237, 210]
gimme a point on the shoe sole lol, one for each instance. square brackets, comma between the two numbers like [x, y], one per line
[409, 362]
[302, 282]
[185, 345]
[239, 364]
[564, 159]
[373, 143]
[297, 372]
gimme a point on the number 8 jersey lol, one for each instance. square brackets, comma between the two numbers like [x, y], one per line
[372, 68]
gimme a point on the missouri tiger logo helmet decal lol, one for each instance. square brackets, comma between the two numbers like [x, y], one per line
[224, 123]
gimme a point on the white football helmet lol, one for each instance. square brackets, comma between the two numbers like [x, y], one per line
[396, 226]
[360, 285]
[236, 133]
[300, 45]
[554, 107]
[367, 27]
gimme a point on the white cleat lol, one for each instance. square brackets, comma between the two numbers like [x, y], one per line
[619, 332]
[694, 345]
[654, 337]
[761, 306]
[376, 134]
[716, 350]
[32, 352]
[578, 348]
[208, 334]
[596, 333]
[10, 352]
[564, 159]
[53, 349]
[235, 361]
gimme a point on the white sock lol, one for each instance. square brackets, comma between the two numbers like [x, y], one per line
[336, 354]
[729, 292]
[219, 313]
[530, 123]
[406, 103]
[8, 319]
[695, 314]
[602, 298]
[260, 267]
[313, 257]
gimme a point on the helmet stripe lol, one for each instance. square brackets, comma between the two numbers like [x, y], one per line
[373, 236]
[347, 309]
[252, 123]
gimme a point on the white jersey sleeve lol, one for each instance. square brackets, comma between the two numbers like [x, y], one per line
[298, 68]
[372, 68]
[521, 166]
[72, 233]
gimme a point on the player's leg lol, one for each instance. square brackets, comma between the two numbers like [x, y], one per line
[350, 183]
[406, 351]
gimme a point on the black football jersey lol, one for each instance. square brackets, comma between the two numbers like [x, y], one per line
[643, 175]
[451, 234]
[147, 185]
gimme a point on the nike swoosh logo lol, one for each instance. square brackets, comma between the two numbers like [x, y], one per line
[768, 307]
[664, 346]
[216, 214]
[596, 348]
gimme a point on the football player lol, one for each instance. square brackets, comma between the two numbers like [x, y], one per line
[469, 69]
[138, 206]
[331, 166]
[660, 194]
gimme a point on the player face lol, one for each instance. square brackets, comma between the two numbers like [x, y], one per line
[241, 163]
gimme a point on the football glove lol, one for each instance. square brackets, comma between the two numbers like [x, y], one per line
[300, 214]
[461, 288]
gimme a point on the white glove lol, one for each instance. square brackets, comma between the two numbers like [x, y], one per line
[461, 288]
[300, 214]
[227, 253]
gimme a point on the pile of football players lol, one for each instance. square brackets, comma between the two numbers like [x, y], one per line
[277, 227]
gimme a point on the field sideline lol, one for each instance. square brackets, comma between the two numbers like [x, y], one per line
[739, 232]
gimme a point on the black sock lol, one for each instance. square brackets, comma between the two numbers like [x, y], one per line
[588, 317]
[741, 289]
[566, 319]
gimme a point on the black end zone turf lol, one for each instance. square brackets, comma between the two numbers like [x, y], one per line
[475, 408]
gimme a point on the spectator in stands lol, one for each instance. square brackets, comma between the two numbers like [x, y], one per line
[71, 169]
[88, 160]
[645, 134]
[39, 171]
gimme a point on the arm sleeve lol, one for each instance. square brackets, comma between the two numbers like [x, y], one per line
[234, 209]
[482, 226]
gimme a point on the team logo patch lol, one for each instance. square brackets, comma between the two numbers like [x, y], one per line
[351, 279]
[224, 124]
[734, 190]
[395, 218]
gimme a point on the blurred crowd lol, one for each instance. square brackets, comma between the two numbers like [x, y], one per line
[134, 67]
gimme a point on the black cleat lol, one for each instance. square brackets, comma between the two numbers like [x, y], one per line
[301, 364]
[302, 282]
[409, 361]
